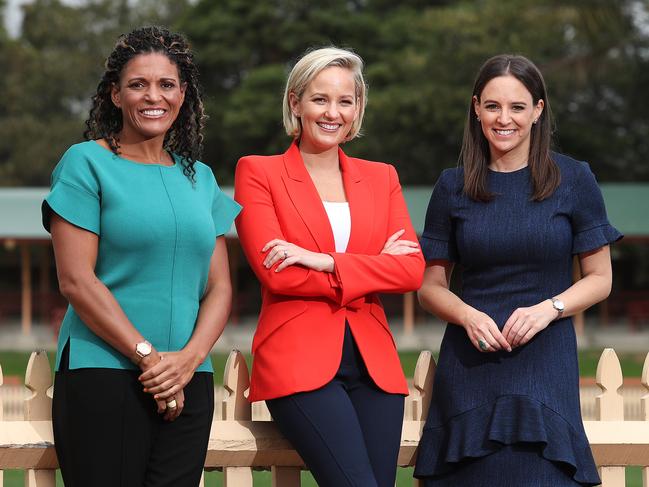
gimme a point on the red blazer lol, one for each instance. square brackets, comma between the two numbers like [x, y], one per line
[298, 342]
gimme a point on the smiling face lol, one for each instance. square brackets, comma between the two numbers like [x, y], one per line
[327, 109]
[149, 95]
[507, 112]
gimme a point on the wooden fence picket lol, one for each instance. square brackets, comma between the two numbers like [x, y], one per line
[423, 390]
[1, 420]
[285, 476]
[235, 406]
[423, 385]
[610, 407]
[644, 405]
[38, 407]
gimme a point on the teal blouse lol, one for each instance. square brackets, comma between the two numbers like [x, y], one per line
[156, 232]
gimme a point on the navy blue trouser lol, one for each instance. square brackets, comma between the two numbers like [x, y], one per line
[347, 432]
[107, 432]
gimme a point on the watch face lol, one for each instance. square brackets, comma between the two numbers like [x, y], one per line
[558, 304]
[143, 349]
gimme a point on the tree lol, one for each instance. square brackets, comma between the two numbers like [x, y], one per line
[421, 57]
[51, 71]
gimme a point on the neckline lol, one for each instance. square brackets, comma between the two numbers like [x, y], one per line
[519, 170]
[131, 161]
[335, 202]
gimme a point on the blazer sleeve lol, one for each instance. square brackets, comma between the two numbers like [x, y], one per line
[360, 274]
[257, 224]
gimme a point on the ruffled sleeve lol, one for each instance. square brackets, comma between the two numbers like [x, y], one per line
[75, 193]
[224, 211]
[438, 238]
[590, 226]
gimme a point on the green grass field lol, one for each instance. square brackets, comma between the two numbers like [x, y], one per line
[15, 363]
[14, 478]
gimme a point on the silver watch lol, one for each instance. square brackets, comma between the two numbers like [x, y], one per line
[143, 349]
[559, 306]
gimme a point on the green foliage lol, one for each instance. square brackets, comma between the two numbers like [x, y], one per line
[421, 57]
[50, 73]
[15, 478]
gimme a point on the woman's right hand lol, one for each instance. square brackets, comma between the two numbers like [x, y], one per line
[394, 246]
[287, 254]
[170, 414]
[145, 364]
[483, 332]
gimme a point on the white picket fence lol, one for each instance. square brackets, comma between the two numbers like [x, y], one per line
[242, 437]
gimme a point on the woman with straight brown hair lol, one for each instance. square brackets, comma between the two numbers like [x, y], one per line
[505, 407]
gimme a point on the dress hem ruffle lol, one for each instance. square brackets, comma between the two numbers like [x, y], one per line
[508, 420]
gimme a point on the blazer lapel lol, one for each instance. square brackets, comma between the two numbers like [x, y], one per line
[361, 204]
[306, 199]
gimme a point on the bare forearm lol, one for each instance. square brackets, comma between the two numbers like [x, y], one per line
[100, 311]
[443, 303]
[584, 293]
[212, 318]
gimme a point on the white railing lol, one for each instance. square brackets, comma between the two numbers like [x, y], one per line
[242, 437]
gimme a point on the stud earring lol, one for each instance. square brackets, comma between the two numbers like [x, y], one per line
[535, 120]
[477, 118]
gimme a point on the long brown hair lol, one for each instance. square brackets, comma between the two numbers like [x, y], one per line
[475, 155]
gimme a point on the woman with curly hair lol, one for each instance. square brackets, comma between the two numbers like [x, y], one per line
[137, 225]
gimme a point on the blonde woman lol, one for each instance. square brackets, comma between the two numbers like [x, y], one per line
[325, 233]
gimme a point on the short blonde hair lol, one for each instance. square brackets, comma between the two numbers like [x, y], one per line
[307, 68]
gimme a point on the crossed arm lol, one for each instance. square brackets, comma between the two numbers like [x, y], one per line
[286, 268]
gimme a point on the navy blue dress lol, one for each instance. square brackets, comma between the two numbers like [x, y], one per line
[511, 419]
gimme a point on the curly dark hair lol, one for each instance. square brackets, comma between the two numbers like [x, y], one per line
[185, 137]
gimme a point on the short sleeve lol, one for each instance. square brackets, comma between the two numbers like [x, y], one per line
[438, 238]
[590, 226]
[224, 211]
[74, 194]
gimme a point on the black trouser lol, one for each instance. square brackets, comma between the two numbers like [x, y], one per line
[349, 431]
[107, 432]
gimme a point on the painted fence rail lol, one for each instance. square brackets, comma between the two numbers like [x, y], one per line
[242, 437]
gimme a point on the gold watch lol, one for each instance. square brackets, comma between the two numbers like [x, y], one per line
[143, 349]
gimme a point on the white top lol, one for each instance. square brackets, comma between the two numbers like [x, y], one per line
[341, 222]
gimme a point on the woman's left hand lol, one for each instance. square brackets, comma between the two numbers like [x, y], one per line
[394, 246]
[170, 375]
[524, 323]
[291, 254]
[171, 414]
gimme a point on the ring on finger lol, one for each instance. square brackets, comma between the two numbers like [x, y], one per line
[484, 346]
[172, 404]
[285, 255]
